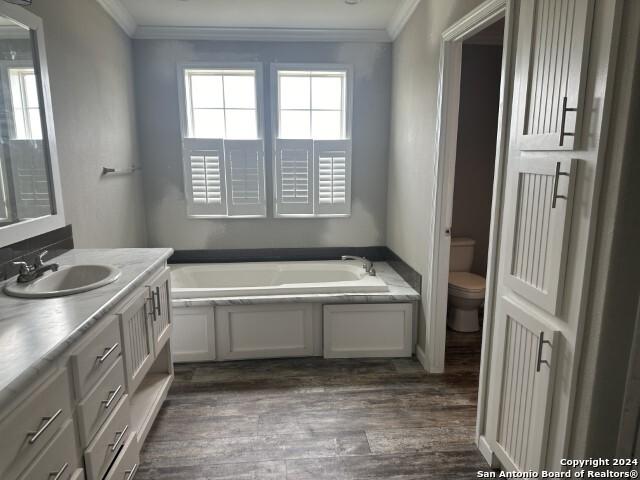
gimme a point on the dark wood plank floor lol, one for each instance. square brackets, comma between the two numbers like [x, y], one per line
[312, 418]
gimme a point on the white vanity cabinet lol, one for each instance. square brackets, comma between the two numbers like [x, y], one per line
[87, 416]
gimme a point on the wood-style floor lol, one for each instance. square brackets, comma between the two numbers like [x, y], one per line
[312, 418]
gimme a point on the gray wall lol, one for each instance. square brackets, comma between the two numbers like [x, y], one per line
[416, 53]
[160, 141]
[476, 148]
[91, 74]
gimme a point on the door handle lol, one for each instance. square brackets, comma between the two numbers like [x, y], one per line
[556, 181]
[540, 361]
[33, 436]
[565, 109]
[156, 301]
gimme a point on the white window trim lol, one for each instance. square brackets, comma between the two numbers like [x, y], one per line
[275, 127]
[193, 212]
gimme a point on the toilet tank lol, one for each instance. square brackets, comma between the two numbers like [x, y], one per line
[461, 256]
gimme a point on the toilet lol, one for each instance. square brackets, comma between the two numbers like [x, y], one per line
[466, 289]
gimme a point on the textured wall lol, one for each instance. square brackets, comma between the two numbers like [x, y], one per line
[91, 74]
[160, 141]
[416, 53]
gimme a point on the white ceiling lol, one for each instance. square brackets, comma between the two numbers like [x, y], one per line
[376, 20]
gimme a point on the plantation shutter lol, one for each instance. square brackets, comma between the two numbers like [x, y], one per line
[203, 161]
[333, 174]
[245, 177]
[294, 177]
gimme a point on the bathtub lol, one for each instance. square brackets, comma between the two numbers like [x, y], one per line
[208, 280]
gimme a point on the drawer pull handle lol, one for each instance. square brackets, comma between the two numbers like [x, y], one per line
[108, 351]
[119, 438]
[59, 473]
[156, 294]
[132, 473]
[112, 397]
[48, 421]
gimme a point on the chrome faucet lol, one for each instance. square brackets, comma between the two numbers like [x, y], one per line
[367, 264]
[29, 273]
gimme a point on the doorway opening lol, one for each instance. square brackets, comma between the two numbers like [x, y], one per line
[473, 123]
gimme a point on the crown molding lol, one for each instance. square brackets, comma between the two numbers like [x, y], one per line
[401, 17]
[263, 34]
[120, 14]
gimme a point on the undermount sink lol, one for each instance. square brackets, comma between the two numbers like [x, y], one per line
[67, 280]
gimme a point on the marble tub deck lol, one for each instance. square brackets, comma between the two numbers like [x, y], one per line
[316, 419]
[35, 332]
[399, 291]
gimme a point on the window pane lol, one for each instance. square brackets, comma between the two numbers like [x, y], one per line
[241, 124]
[295, 92]
[34, 120]
[326, 125]
[206, 91]
[326, 93]
[31, 91]
[208, 123]
[295, 124]
[19, 124]
[239, 91]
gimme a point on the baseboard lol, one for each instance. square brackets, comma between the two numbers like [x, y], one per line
[422, 357]
[487, 453]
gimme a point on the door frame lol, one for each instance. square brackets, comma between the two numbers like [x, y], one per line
[442, 201]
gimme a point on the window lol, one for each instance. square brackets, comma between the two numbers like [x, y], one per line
[312, 105]
[25, 104]
[312, 174]
[222, 151]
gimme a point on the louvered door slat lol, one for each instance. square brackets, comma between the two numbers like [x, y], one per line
[556, 33]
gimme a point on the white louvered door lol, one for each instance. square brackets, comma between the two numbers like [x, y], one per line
[529, 324]
[244, 165]
[556, 34]
[333, 173]
[521, 403]
[293, 177]
[204, 176]
[539, 229]
[137, 338]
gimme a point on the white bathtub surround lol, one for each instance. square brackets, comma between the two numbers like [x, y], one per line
[397, 291]
[34, 333]
[277, 324]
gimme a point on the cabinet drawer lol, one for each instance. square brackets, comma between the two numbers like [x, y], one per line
[59, 459]
[27, 429]
[107, 442]
[100, 402]
[94, 358]
[126, 465]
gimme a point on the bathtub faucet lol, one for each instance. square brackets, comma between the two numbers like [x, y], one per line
[367, 264]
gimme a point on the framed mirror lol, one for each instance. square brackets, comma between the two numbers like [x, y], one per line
[30, 190]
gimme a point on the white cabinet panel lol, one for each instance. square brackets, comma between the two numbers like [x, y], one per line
[193, 338]
[368, 330]
[264, 331]
[520, 402]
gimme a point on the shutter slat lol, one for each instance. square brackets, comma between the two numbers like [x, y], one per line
[333, 166]
[205, 182]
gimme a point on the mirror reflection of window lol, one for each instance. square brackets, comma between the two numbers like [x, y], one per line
[24, 99]
[25, 188]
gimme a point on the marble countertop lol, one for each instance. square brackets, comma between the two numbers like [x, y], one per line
[399, 291]
[35, 332]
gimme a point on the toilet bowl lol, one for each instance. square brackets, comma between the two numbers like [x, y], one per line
[466, 289]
